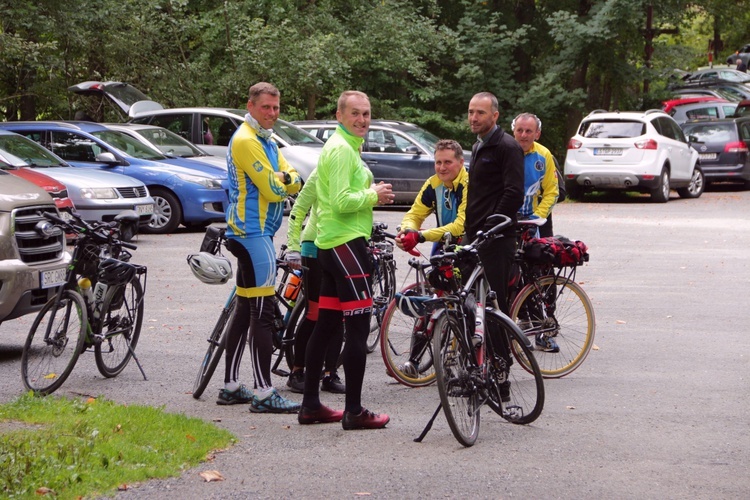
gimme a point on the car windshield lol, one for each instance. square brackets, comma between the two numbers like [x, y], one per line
[294, 135]
[128, 145]
[616, 129]
[169, 143]
[711, 132]
[21, 152]
[425, 139]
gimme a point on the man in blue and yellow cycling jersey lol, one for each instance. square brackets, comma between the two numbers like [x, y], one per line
[540, 177]
[260, 180]
[443, 194]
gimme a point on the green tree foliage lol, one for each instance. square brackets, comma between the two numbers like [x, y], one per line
[419, 60]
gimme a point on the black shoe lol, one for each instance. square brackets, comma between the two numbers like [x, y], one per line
[332, 383]
[296, 382]
[365, 420]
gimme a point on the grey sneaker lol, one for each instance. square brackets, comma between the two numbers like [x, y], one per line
[296, 381]
[274, 403]
[241, 396]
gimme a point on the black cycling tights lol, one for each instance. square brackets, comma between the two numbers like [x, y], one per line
[355, 356]
[256, 316]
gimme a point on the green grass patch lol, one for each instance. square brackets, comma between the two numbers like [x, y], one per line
[73, 448]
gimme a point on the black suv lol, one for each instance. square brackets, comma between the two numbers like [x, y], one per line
[723, 147]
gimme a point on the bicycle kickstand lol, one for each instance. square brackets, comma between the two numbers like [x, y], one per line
[132, 352]
[429, 425]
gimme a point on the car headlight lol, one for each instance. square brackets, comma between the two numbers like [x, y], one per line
[98, 193]
[206, 182]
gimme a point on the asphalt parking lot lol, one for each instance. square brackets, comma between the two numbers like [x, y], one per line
[658, 410]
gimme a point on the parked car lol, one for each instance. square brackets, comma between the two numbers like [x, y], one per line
[168, 143]
[398, 153]
[743, 108]
[714, 74]
[668, 105]
[57, 191]
[730, 91]
[702, 110]
[299, 148]
[31, 264]
[191, 196]
[722, 146]
[632, 151]
[96, 195]
[208, 128]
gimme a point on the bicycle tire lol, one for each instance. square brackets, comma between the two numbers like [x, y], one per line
[290, 331]
[569, 321]
[383, 291]
[403, 338]
[458, 394]
[46, 364]
[217, 342]
[121, 322]
[524, 392]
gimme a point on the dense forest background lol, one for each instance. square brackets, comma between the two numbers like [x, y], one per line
[419, 60]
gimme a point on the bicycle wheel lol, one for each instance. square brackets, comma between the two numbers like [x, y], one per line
[48, 358]
[516, 392]
[121, 328]
[405, 344]
[217, 342]
[294, 318]
[458, 394]
[558, 309]
[383, 291]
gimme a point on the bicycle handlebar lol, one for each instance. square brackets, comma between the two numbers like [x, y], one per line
[479, 240]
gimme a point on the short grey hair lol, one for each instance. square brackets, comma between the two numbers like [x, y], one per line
[523, 116]
[491, 97]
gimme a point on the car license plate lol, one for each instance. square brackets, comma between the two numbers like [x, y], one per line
[707, 156]
[144, 209]
[607, 151]
[53, 277]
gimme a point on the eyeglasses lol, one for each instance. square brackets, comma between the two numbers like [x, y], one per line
[447, 199]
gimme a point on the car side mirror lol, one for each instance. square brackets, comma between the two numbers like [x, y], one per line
[692, 139]
[413, 150]
[108, 158]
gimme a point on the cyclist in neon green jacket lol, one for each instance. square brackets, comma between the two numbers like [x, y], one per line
[345, 198]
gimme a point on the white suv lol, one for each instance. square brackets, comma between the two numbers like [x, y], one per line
[632, 151]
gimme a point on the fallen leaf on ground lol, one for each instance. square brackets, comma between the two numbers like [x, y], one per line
[570, 407]
[122, 487]
[43, 490]
[190, 438]
[620, 322]
[211, 475]
[595, 347]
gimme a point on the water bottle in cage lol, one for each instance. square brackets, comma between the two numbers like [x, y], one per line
[293, 285]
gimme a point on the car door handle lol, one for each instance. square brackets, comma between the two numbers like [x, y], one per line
[371, 162]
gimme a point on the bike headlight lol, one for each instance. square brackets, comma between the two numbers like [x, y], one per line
[206, 182]
[98, 193]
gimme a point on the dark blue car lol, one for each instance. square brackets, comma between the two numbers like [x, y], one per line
[185, 191]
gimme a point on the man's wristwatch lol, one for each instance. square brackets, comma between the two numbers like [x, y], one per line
[420, 237]
[287, 178]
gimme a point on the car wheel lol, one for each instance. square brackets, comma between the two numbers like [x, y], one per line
[167, 213]
[660, 194]
[696, 187]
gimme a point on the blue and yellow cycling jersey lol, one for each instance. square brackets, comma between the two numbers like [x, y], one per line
[540, 182]
[448, 205]
[256, 195]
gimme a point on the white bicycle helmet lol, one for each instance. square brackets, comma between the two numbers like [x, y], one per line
[211, 269]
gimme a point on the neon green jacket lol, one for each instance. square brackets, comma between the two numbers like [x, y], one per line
[344, 192]
[305, 202]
